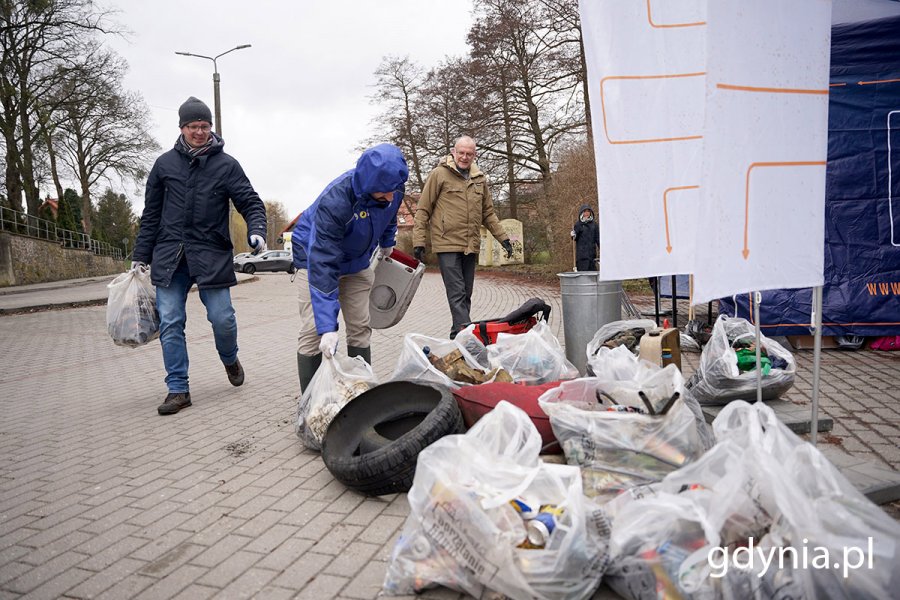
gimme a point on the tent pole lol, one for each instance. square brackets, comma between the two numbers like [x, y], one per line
[757, 298]
[817, 355]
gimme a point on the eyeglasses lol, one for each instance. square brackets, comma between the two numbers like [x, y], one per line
[196, 128]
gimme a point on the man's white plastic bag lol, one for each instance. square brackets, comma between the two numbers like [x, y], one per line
[463, 531]
[131, 316]
[338, 380]
[533, 357]
[718, 379]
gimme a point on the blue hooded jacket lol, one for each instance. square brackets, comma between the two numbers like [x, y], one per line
[338, 234]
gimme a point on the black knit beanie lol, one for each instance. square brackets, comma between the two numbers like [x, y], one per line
[193, 110]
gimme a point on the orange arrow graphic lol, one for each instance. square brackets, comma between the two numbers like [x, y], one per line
[817, 163]
[666, 210]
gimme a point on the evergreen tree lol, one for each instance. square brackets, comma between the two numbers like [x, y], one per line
[68, 213]
[114, 220]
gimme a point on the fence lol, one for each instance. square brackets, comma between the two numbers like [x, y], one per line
[13, 221]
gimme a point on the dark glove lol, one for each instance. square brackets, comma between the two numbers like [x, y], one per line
[507, 245]
[419, 253]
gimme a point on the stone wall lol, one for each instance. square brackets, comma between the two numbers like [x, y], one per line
[25, 260]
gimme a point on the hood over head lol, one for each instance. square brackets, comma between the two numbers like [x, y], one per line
[585, 207]
[381, 168]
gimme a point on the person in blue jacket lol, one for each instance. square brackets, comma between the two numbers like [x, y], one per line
[184, 236]
[333, 243]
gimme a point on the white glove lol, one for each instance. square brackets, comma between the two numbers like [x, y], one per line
[258, 243]
[328, 344]
[137, 265]
[572, 233]
[386, 252]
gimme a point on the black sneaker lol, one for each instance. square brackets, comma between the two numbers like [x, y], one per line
[235, 373]
[173, 403]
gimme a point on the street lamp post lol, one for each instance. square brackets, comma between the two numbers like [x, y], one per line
[216, 100]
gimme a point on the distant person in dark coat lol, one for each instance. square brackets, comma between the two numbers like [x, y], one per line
[587, 240]
[184, 236]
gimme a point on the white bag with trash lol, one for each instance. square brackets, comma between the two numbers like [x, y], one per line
[627, 333]
[533, 357]
[414, 364]
[627, 432]
[338, 380]
[761, 515]
[131, 316]
[468, 527]
[718, 379]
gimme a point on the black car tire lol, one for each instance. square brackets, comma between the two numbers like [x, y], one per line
[291, 269]
[249, 269]
[373, 443]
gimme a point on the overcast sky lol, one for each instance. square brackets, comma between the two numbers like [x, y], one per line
[295, 105]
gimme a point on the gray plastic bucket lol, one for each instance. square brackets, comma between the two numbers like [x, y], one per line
[587, 305]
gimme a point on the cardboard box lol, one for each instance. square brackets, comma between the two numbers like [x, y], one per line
[806, 342]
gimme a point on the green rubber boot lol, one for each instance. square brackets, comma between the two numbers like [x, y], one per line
[366, 353]
[306, 367]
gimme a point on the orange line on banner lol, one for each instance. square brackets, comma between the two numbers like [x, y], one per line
[668, 25]
[637, 77]
[747, 88]
[818, 163]
[666, 210]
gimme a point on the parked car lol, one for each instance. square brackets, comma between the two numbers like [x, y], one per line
[273, 260]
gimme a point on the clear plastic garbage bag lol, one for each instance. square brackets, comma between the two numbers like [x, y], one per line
[761, 515]
[718, 379]
[337, 381]
[636, 328]
[533, 357]
[414, 363]
[605, 427]
[131, 316]
[469, 520]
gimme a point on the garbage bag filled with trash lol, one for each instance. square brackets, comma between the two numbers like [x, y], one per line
[761, 515]
[488, 516]
[727, 369]
[131, 316]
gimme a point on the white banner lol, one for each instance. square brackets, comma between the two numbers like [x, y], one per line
[646, 81]
[710, 166]
[765, 146]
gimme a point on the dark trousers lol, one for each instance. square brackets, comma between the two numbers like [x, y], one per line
[458, 272]
[585, 264]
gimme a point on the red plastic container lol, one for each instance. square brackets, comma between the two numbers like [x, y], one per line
[475, 401]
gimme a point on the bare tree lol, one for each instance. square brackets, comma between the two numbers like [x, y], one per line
[104, 129]
[397, 90]
[35, 37]
[529, 59]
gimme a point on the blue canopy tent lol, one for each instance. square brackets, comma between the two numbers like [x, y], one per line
[862, 203]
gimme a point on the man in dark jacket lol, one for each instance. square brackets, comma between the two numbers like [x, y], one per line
[184, 237]
[333, 243]
[586, 235]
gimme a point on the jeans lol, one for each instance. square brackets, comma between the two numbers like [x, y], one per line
[458, 273]
[170, 301]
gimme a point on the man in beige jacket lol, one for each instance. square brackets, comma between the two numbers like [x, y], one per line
[455, 203]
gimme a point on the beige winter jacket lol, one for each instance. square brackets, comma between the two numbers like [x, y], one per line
[456, 208]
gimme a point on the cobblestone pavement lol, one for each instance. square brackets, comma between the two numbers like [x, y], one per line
[102, 498]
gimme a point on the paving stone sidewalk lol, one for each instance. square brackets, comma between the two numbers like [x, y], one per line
[102, 498]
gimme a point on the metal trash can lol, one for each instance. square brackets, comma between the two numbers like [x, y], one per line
[587, 305]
